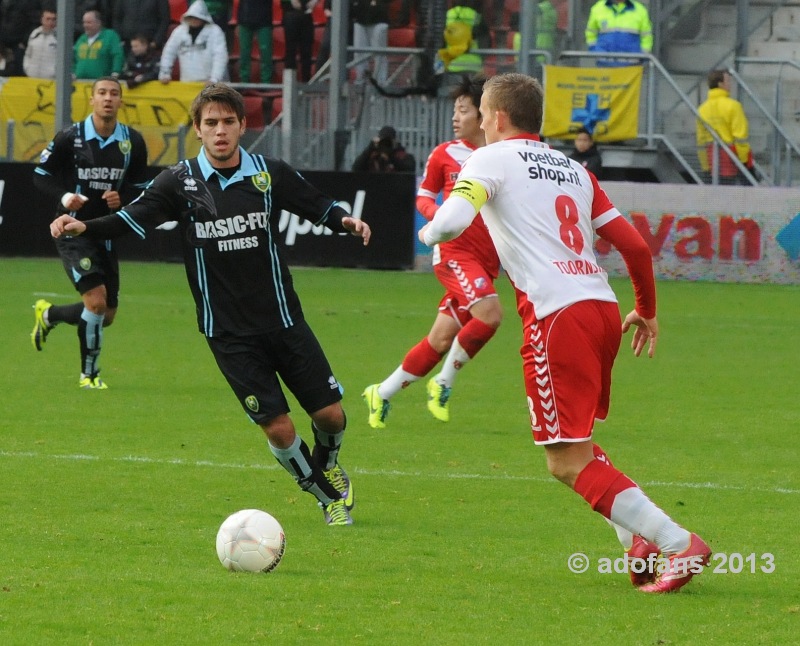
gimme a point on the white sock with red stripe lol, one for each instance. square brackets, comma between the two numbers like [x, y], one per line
[417, 363]
[612, 494]
[469, 341]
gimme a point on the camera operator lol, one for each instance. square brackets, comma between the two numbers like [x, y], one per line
[385, 154]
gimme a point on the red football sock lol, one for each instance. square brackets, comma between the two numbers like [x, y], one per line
[421, 359]
[600, 454]
[599, 483]
[474, 335]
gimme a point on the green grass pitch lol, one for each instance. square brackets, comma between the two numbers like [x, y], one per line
[110, 501]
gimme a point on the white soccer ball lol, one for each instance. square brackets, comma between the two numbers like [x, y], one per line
[250, 541]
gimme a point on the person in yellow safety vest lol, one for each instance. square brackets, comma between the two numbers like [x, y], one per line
[457, 56]
[726, 116]
[546, 22]
[619, 26]
[467, 13]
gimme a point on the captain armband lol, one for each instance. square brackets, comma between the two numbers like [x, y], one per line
[472, 191]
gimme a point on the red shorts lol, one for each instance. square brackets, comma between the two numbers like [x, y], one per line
[567, 359]
[466, 282]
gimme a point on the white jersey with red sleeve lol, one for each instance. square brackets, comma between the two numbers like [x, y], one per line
[441, 172]
[542, 213]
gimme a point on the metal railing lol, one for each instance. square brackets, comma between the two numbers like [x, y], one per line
[654, 70]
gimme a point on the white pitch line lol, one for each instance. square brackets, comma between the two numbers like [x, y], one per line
[78, 457]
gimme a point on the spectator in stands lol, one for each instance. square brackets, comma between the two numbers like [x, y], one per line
[220, 11]
[619, 26]
[324, 52]
[41, 53]
[142, 17]
[199, 46]
[467, 11]
[6, 61]
[726, 116]
[254, 19]
[98, 52]
[546, 20]
[18, 18]
[103, 6]
[298, 28]
[385, 154]
[458, 56]
[371, 29]
[586, 153]
[142, 64]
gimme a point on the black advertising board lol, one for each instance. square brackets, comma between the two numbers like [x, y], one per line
[385, 201]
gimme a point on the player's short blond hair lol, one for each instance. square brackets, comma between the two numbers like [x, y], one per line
[521, 97]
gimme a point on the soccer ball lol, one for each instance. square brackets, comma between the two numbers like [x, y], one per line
[250, 541]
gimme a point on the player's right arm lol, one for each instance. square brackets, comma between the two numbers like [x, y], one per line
[639, 262]
[56, 166]
[431, 185]
[158, 203]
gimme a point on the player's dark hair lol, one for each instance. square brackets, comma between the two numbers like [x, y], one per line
[716, 78]
[113, 79]
[520, 96]
[583, 130]
[221, 93]
[471, 86]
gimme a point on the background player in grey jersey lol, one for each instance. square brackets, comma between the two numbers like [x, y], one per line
[90, 169]
[228, 204]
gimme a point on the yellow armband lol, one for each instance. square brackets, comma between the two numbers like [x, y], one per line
[472, 191]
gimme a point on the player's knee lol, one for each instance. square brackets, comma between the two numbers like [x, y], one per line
[493, 318]
[95, 303]
[330, 419]
[441, 343]
[488, 311]
[561, 469]
[280, 431]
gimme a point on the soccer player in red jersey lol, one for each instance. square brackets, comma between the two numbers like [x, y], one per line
[469, 312]
[543, 211]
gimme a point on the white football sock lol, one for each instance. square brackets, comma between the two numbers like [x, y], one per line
[637, 513]
[454, 361]
[395, 382]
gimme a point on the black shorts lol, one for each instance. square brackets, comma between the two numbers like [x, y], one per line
[89, 264]
[252, 365]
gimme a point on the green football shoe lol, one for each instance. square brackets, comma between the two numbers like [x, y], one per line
[341, 482]
[92, 383]
[40, 328]
[336, 513]
[378, 407]
[438, 400]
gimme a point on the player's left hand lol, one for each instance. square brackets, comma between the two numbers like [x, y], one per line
[646, 331]
[358, 228]
[112, 199]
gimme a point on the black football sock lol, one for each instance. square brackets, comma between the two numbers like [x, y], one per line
[297, 460]
[65, 314]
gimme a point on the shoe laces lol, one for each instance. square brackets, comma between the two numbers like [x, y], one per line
[337, 513]
[337, 478]
[444, 395]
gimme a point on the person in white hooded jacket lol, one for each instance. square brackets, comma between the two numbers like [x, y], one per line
[199, 45]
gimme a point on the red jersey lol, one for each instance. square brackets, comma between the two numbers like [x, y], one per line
[441, 172]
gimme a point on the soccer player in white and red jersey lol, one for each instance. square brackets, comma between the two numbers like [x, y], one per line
[543, 211]
[469, 312]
